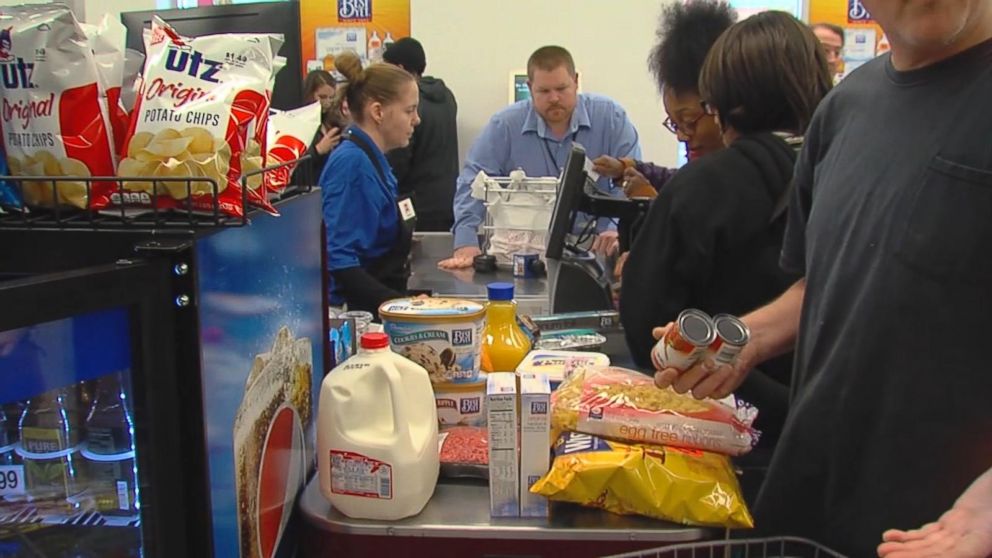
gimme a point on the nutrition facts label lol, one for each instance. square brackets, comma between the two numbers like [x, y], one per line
[357, 475]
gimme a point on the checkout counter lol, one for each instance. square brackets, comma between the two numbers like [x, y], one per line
[456, 521]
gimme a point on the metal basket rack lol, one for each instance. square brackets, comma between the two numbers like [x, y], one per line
[776, 547]
[143, 216]
[515, 205]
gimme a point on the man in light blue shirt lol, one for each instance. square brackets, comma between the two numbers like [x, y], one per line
[537, 136]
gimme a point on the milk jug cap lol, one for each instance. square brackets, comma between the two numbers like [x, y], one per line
[375, 340]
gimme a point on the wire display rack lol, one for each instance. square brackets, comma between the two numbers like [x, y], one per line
[146, 213]
[776, 547]
[518, 212]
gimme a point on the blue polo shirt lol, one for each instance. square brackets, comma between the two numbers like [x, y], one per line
[360, 211]
[517, 137]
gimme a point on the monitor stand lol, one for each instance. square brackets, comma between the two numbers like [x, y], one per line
[577, 283]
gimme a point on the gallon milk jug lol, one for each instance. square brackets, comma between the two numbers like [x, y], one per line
[377, 444]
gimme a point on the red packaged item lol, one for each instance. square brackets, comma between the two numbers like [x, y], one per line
[290, 133]
[200, 102]
[54, 121]
[464, 452]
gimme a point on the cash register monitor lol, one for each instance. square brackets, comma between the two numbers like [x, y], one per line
[570, 187]
[576, 281]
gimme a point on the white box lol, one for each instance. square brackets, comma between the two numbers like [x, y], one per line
[535, 443]
[501, 414]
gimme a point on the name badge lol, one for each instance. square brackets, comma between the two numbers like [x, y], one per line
[406, 209]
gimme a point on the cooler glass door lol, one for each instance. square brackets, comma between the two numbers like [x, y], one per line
[80, 473]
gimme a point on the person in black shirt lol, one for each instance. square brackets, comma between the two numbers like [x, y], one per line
[427, 169]
[712, 237]
[889, 227]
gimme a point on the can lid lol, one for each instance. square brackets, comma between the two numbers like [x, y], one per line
[696, 327]
[731, 329]
[375, 340]
[500, 291]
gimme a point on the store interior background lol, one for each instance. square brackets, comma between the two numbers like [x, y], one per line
[474, 45]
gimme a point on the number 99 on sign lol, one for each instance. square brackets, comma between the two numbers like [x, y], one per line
[11, 480]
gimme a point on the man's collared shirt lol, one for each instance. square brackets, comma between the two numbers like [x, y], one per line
[518, 138]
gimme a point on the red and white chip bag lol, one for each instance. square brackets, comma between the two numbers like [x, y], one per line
[199, 104]
[54, 123]
[107, 41]
[290, 134]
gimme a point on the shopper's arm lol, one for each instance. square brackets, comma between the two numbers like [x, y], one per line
[773, 333]
[655, 174]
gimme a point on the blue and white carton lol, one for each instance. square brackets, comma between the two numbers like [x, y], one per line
[504, 467]
[535, 444]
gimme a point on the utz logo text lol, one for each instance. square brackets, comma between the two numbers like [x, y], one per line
[15, 72]
[471, 405]
[538, 407]
[857, 12]
[354, 10]
[461, 337]
[194, 64]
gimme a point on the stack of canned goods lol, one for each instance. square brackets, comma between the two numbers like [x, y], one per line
[696, 336]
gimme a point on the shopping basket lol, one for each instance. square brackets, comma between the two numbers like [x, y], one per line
[518, 212]
[778, 547]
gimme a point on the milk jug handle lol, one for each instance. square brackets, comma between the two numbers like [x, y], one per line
[396, 387]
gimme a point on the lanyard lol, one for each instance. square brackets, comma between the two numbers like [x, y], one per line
[555, 168]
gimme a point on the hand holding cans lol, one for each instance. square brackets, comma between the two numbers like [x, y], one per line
[696, 336]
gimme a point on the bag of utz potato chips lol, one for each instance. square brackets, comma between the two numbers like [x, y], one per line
[198, 106]
[685, 486]
[53, 121]
[290, 133]
[253, 158]
[107, 41]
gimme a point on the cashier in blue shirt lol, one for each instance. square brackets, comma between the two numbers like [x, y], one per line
[369, 228]
[537, 136]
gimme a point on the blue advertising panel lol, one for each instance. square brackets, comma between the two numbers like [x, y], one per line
[260, 326]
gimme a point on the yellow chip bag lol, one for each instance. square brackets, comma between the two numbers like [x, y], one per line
[683, 486]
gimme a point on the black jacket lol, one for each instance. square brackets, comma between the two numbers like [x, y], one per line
[710, 241]
[428, 168]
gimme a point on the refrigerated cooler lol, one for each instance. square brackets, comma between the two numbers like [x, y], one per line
[158, 384]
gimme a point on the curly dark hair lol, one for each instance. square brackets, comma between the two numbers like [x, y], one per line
[685, 34]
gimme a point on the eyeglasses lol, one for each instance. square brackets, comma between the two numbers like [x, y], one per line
[689, 126]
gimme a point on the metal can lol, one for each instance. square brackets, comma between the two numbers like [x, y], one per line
[685, 342]
[731, 337]
[523, 265]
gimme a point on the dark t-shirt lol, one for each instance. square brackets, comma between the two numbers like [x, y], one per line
[891, 223]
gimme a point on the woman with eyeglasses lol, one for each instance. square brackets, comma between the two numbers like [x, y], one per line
[711, 240]
[686, 33]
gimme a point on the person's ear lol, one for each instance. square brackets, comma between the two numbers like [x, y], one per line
[376, 111]
[576, 80]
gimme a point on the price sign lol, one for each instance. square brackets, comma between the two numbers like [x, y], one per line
[11, 480]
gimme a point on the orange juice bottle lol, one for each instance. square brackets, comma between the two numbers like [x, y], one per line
[504, 344]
